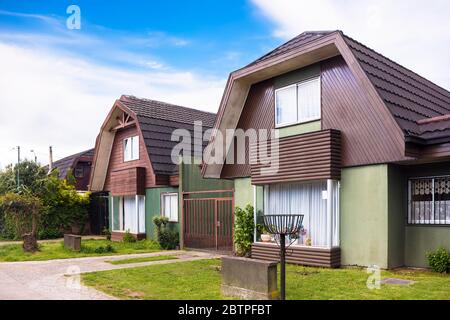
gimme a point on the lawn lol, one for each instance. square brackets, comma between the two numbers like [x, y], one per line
[143, 259]
[89, 248]
[201, 280]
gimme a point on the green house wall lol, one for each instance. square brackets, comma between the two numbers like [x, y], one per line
[364, 216]
[299, 129]
[153, 209]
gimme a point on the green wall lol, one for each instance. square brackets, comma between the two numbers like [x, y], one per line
[153, 209]
[192, 180]
[299, 129]
[364, 216]
[243, 194]
[421, 239]
[297, 76]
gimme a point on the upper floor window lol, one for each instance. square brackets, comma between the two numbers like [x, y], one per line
[131, 148]
[298, 103]
[429, 201]
[78, 172]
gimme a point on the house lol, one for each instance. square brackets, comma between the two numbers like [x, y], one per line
[79, 165]
[133, 164]
[364, 152]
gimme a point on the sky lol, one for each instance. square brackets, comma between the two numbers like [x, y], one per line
[58, 84]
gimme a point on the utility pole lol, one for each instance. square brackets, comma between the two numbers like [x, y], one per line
[18, 164]
[35, 157]
[50, 160]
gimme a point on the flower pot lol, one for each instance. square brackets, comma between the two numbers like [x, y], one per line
[266, 238]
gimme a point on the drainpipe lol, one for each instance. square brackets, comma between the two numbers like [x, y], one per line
[50, 160]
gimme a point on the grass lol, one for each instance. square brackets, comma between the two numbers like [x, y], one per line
[201, 280]
[196, 280]
[90, 248]
[143, 259]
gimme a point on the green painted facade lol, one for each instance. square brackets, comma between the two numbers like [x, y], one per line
[422, 239]
[243, 194]
[299, 129]
[153, 209]
[364, 216]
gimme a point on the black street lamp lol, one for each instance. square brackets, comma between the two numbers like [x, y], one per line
[282, 225]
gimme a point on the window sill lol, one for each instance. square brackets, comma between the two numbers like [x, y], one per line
[292, 124]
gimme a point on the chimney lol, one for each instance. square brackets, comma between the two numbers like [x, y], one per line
[50, 162]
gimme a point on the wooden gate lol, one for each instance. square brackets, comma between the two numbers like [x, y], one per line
[208, 220]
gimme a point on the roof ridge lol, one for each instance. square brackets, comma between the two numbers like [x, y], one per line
[163, 103]
[427, 82]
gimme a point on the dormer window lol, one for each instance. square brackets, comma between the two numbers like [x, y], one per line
[298, 103]
[131, 148]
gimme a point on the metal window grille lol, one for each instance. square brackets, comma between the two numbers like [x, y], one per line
[429, 201]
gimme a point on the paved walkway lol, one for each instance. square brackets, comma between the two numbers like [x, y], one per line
[60, 279]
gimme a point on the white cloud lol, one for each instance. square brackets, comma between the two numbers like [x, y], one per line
[414, 33]
[51, 98]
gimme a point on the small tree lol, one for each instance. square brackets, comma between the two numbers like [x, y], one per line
[23, 210]
[244, 230]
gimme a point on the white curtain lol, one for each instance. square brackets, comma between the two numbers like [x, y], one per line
[141, 213]
[170, 203]
[130, 214]
[286, 105]
[308, 96]
[309, 199]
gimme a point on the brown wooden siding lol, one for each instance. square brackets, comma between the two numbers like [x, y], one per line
[307, 256]
[366, 137]
[116, 163]
[128, 182]
[258, 113]
[306, 157]
[437, 151]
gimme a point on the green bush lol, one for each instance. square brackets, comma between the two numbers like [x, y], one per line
[99, 249]
[50, 233]
[167, 239]
[439, 260]
[128, 237]
[244, 230]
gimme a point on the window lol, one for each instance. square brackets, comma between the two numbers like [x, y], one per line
[321, 226]
[169, 206]
[78, 172]
[131, 148]
[298, 103]
[429, 201]
[129, 215]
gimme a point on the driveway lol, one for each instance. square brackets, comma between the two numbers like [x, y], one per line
[60, 279]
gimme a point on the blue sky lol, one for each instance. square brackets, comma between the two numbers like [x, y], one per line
[57, 85]
[211, 36]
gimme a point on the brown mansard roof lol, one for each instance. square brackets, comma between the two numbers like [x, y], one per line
[66, 164]
[157, 121]
[409, 97]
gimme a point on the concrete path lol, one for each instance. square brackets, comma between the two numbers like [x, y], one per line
[60, 279]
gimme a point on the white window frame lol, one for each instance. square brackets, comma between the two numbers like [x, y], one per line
[163, 211]
[140, 216]
[132, 141]
[297, 85]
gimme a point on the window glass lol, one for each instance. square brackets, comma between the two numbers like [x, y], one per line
[131, 148]
[286, 105]
[170, 206]
[308, 97]
[429, 201]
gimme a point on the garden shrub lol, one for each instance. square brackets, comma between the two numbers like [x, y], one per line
[107, 233]
[243, 231]
[167, 239]
[23, 210]
[128, 237]
[439, 260]
[98, 249]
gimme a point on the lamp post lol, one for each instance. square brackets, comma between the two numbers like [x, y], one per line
[282, 225]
